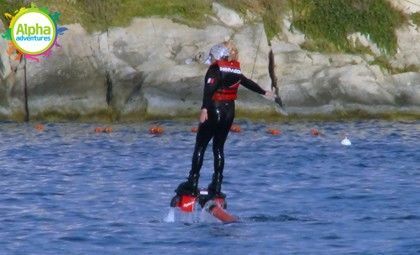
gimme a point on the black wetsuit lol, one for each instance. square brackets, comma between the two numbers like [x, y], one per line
[221, 83]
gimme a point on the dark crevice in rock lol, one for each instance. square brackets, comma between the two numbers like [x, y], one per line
[2, 70]
[137, 90]
[108, 88]
[25, 90]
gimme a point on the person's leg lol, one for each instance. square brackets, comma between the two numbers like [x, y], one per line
[222, 130]
[204, 135]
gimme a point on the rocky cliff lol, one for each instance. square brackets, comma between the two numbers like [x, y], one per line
[154, 68]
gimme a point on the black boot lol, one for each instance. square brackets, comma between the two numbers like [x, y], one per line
[215, 186]
[187, 188]
[214, 190]
[190, 187]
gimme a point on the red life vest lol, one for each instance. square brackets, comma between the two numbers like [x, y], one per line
[228, 93]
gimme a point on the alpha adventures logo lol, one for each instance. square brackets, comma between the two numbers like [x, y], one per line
[32, 32]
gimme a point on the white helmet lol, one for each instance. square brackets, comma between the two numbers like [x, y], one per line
[217, 52]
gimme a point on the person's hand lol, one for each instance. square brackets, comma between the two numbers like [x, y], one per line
[270, 95]
[203, 115]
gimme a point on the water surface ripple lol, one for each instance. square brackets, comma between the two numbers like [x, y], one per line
[68, 190]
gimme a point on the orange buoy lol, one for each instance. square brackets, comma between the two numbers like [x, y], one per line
[103, 129]
[235, 128]
[39, 127]
[273, 131]
[194, 129]
[156, 130]
[315, 132]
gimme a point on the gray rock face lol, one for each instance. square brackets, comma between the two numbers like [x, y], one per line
[12, 99]
[326, 88]
[409, 7]
[227, 16]
[5, 68]
[407, 89]
[154, 67]
[69, 83]
[253, 54]
[408, 53]
[313, 83]
[156, 70]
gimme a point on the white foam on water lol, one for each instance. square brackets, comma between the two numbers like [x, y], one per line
[346, 142]
[207, 217]
[171, 216]
[202, 216]
[186, 217]
[176, 215]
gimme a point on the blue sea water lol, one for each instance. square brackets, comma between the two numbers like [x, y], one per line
[68, 190]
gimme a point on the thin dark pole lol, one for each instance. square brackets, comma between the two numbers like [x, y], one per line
[25, 91]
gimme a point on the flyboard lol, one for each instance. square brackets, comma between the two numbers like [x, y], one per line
[215, 206]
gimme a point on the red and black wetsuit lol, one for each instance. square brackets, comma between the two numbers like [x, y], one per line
[220, 91]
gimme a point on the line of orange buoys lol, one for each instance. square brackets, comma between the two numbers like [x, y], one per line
[158, 130]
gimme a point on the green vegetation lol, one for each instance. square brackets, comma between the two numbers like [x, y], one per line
[384, 63]
[329, 22]
[416, 18]
[271, 12]
[100, 14]
[10, 7]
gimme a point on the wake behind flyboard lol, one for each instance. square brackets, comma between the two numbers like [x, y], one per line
[215, 206]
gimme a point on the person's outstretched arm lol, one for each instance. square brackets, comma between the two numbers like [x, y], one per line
[251, 85]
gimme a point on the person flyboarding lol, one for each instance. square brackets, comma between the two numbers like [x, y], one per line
[221, 85]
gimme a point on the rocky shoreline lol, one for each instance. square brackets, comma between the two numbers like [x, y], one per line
[153, 69]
